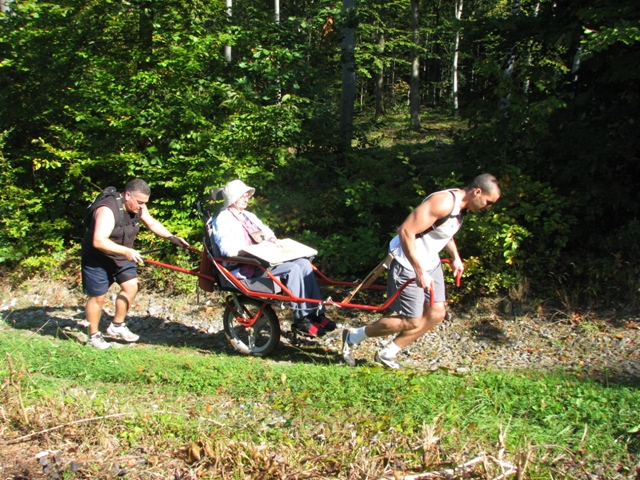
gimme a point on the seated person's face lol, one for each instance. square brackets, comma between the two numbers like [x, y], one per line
[242, 202]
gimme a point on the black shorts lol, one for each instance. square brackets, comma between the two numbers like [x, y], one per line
[97, 277]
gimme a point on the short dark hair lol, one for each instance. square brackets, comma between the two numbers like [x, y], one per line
[138, 185]
[485, 182]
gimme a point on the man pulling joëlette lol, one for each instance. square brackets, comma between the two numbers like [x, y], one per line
[426, 231]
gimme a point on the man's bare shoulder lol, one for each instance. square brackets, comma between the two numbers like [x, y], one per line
[438, 204]
[103, 212]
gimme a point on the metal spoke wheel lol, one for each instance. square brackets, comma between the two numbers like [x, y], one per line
[259, 339]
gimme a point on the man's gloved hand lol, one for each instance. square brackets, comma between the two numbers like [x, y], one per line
[181, 242]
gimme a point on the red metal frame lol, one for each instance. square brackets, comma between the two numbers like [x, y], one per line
[245, 322]
[287, 295]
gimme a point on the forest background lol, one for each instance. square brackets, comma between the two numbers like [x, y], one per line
[335, 113]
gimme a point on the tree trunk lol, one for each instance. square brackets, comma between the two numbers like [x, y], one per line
[348, 73]
[414, 94]
[456, 46]
[510, 58]
[575, 66]
[145, 35]
[525, 87]
[276, 9]
[380, 79]
[227, 49]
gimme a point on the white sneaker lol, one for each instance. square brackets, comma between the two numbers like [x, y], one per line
[121, 332]
[388, 362]
[98, 341]
[346, 349]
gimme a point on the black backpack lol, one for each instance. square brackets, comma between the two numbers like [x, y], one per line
[107, 192]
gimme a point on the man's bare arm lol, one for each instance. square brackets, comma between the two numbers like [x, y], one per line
[104, 223]
[422, 218]
[160, 230]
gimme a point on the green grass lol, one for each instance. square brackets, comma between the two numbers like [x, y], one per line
[180, 395]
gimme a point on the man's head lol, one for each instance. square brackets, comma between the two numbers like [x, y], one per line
[136, 195]
[482, 193]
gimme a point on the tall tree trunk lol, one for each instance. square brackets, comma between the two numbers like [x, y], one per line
[456, 46]
[414, 94]
[575, 66]
[380, 78]
[525, 87]
[348, 73]
[145, 35]
[276, 9]
[510, 58]
[227, 48]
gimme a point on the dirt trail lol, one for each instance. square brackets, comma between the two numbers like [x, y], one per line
[597, 345]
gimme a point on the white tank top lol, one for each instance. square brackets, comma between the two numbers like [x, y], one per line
[429, 246]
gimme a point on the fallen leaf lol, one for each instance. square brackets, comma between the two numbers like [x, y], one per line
[194, 453]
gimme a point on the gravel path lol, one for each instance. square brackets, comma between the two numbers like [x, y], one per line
[598, 345]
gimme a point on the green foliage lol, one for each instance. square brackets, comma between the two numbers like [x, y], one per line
[28, 233]
[571, 133]
[607, 273]
[112, 95]
[174, 393]
[93, 94]
[522, 238]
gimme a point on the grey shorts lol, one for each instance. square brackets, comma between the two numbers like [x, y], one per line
[412, 299]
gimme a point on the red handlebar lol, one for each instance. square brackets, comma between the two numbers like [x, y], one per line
[458, 278]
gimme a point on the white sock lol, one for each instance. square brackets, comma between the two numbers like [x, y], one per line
[357, 336]
[390, 350]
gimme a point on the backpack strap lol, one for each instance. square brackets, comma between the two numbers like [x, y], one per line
[107, 192]
[119, 220]
[442, 220]
[118, 198]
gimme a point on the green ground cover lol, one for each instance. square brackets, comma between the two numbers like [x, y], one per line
[325, 421]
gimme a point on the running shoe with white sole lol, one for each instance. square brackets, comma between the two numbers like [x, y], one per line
[97, 340]
[121, 332]
[388, 362]
[346, 349]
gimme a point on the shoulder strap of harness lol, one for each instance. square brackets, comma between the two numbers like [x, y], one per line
[440, 221]
[118, 198]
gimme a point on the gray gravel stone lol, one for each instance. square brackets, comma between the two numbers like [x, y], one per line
[596, 345]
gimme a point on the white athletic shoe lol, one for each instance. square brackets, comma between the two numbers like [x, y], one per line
[121, 332]
[388, 362]
[346, 349]
[98, 341]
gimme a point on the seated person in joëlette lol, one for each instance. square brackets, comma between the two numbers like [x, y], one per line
[235, 228]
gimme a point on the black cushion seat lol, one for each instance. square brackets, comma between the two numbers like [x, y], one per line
[261, 284]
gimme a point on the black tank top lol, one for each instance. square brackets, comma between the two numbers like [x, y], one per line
[122, 234]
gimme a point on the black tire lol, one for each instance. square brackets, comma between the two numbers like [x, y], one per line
[262, 338]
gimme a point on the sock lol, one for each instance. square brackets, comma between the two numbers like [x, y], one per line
[117, 325]
[390, 350]
[357, 336]
[94, 334]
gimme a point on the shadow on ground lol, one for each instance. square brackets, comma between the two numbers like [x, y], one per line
[68, 323]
